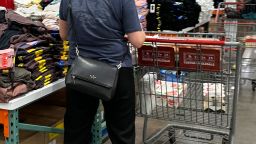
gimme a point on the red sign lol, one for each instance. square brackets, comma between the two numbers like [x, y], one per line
[156, 56]
[206, 59]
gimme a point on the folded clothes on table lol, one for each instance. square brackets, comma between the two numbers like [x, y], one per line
[46, 78]
[26, 46]
[21, 75]
[5, 38]
[6, 94]
[34, 65]
[15, 83]
[41, 71]
[51, 24]
[32, 57]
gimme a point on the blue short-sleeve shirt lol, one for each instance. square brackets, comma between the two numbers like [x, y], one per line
[100, 27]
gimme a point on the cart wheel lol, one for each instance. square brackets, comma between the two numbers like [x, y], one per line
[225, 141]
[172, 138]
[253, 85]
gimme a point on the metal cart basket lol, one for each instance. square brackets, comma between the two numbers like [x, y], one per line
[190, 81]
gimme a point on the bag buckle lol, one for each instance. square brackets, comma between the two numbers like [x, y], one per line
[77, 51]
[119, 65]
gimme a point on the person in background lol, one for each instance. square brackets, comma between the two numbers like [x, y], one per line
[100, 28]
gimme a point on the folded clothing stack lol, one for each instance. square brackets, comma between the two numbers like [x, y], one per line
[142, 8]
[29, 8]
[38, 60]
[51, 15]
[31, 43]
[22, 3]
[14, 83]
[31, 11]
[46, 11]
[60, 55]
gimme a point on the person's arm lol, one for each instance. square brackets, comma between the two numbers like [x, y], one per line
[136, 38]
[63, 20]
[131, 24]
[63, 29]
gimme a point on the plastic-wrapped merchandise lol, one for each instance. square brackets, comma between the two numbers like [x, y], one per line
[170, 94]
[206, 10]
[33, 10]
[214, 97]
[148, 96]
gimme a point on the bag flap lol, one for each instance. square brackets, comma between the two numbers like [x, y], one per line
[94, 71]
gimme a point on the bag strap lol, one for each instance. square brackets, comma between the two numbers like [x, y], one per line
[71, 25]
[75, 34]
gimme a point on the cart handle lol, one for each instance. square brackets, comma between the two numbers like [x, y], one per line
[186, 41]
[232, 3]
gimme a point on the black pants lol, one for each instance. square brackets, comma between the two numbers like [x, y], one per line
[119, 113]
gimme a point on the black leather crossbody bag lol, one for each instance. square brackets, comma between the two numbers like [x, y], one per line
[89, 76]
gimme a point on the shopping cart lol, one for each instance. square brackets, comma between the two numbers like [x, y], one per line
[188, 80]
[239, 24]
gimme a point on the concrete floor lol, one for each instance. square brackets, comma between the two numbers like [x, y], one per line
[246, 116]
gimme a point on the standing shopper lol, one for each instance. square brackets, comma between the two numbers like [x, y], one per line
[100, 28]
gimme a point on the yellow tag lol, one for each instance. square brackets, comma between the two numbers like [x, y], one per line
[46, 80]
[20, 58]
[39, 52]
[41, 65]
[31, 50]
[65, 42]
[41, 69]
[42, 61]
[66, 47]
[38, 58]
[65, 68]
[48, 76]
[46, 83]
[64, 72]
[63, 58]
[44, 70]
[64, 53]
[37, 79]
[21, 65]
